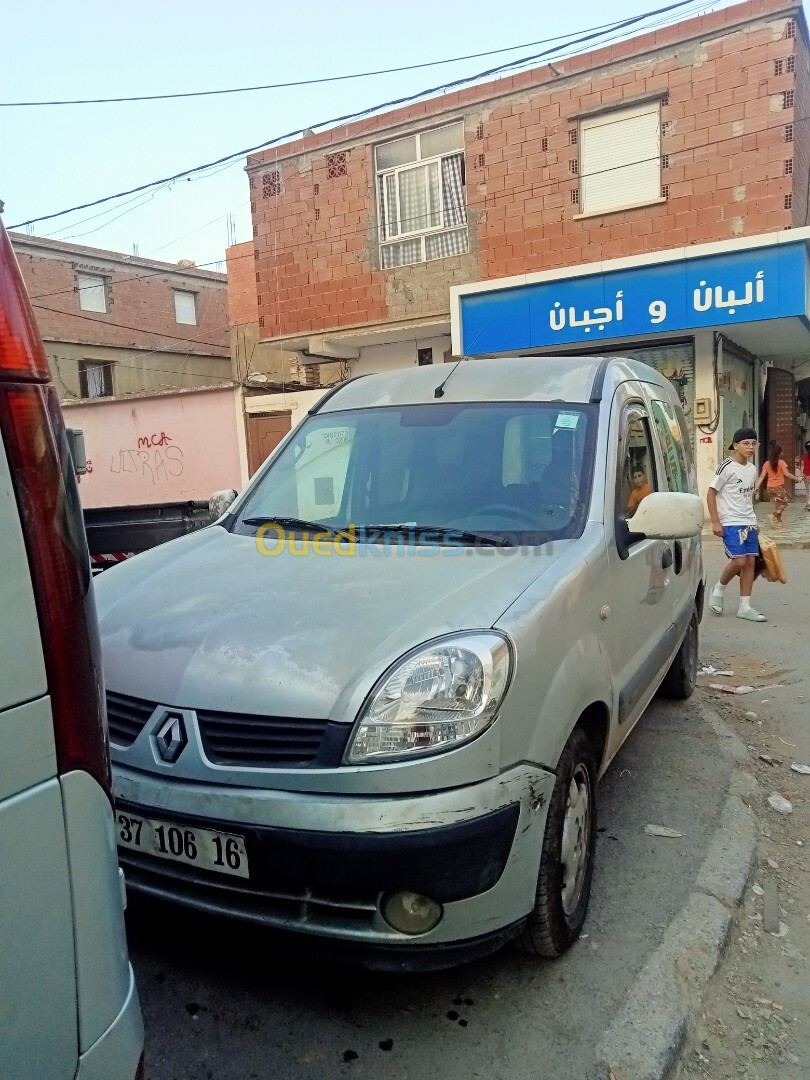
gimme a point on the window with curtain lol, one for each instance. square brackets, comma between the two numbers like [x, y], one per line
[95, 379]
[92, 289]
[620, 158]
[422, 197]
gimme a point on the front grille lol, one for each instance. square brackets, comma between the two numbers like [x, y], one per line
[126, 717]
[244, 739]
[260, 741]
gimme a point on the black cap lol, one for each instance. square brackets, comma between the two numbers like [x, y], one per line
[743, 433]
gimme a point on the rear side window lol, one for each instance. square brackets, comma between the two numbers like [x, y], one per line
[675, 450]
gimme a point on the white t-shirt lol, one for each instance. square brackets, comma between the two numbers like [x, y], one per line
[734, 484]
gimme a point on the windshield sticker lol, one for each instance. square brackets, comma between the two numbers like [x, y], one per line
[337, 437]
[567, 420]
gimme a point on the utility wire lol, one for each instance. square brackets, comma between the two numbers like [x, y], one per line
[299, 82]
[125, 326]
[676, 158]
[188, 173]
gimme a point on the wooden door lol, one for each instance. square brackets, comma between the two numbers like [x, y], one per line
[264, 432]
[780, 416]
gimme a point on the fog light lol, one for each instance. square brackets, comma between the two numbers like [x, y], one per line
[410, 913]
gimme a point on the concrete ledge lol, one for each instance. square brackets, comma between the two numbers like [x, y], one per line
[647, 1037]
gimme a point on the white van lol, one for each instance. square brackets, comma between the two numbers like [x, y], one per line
[68, 1004]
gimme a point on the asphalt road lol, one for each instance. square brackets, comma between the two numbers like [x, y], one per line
[221, 1003]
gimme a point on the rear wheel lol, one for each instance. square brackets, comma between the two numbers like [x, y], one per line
[566, 862]
[679, 682]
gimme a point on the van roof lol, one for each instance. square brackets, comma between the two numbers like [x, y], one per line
[512, 378]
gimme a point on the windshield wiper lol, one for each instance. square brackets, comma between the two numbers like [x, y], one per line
[462, 535]
[291, 523]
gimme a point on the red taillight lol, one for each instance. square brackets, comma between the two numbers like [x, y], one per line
[34, 438]
[21, 353]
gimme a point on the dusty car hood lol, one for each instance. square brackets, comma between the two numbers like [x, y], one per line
[208, 622]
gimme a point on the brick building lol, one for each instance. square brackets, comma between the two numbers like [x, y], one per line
[118, 325]
[663, 153]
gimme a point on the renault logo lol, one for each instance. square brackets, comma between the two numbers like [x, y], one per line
[171, 738]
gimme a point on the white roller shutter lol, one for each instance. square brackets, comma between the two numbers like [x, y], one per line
[620, 158]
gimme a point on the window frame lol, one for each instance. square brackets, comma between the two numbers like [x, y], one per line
[382, 199]
[625, 538]
[107, 378]
[102, 284]
[194, 297]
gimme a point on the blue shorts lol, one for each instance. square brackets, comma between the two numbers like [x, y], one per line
[740, 540]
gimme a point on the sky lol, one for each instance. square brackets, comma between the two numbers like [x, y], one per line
[53, 158]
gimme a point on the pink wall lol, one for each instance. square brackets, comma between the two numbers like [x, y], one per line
[167, 448]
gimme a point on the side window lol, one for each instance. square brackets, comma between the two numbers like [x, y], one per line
[675, 453]
[636, 473]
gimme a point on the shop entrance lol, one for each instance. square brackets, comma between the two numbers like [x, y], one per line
[780, 416]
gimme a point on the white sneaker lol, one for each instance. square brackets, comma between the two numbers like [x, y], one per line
[716, 601]
[752, 615]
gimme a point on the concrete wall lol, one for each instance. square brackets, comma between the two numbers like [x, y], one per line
[315, 226]
[135, 371]
[399, 354]
[166, 448]
[298, 403]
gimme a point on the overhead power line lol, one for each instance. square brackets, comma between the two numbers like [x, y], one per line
[188, 173]
[297, 82]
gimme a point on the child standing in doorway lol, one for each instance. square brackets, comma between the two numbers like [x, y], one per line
[731, 509]
[775, 471]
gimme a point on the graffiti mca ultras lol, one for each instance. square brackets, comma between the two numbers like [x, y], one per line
[396, 756]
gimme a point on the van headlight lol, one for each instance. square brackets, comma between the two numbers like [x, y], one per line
[434, 698]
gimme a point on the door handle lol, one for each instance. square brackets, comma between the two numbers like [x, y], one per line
[666, 558]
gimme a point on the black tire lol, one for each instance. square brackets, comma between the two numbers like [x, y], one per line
[679, 682]
[561, 903]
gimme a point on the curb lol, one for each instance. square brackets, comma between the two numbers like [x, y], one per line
[646, 1039]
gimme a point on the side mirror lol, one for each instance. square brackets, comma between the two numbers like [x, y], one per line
[668, 515]
[219, 502]
[78, 455]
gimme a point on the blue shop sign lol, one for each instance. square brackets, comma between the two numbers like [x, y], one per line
[712, 291]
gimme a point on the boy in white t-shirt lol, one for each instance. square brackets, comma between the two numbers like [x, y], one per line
[731, 509]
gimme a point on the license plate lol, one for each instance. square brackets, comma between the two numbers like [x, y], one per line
[222, 852]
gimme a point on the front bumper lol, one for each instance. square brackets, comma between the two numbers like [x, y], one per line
[473, 849]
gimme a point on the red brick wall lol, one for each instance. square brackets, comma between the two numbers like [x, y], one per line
[799, 149]
[315, 233]
[242, 300]
[140, 299]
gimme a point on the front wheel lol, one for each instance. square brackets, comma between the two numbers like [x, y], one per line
[567, 858]
[679, 682]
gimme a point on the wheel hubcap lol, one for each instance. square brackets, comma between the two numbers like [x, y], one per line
[575, 838]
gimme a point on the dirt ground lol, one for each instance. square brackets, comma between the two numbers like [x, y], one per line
[755, 1019]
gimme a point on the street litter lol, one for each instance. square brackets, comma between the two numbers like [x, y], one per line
[803, 769]
[780, 804]
[774, 865]
[732, 689]
[710, 669]
[781, 740]
[783, 930]
[757, 890]
[769, 760]
[752, 715]
[661, 830]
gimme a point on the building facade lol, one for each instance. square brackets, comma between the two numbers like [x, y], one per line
[691, 138]
[115, 325]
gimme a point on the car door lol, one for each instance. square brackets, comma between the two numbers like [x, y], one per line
[678, 474]
[639, 570]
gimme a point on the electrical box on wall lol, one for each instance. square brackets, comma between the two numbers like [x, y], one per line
[703, 410]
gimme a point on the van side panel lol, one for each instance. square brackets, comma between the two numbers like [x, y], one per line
[102, 965]
[22, 668]
[38, 1036]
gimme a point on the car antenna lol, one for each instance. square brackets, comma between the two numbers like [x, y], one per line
[439, 391]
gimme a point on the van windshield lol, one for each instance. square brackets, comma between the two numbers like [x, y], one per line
[512, 469]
